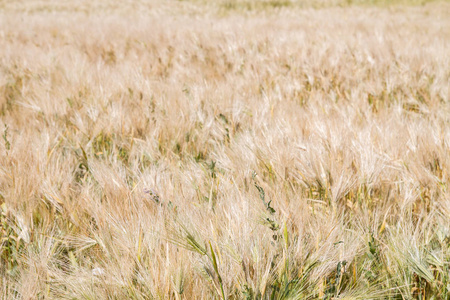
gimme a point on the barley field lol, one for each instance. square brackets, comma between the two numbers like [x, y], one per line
[225, 149]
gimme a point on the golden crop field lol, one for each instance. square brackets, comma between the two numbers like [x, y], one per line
[225, 149]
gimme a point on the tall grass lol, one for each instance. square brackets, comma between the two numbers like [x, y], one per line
[166, 150]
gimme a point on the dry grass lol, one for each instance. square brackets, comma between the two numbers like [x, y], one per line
[191, 150]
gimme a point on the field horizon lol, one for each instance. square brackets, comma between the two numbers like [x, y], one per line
[225, 149]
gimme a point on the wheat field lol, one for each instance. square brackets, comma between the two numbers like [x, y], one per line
[225, 149]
